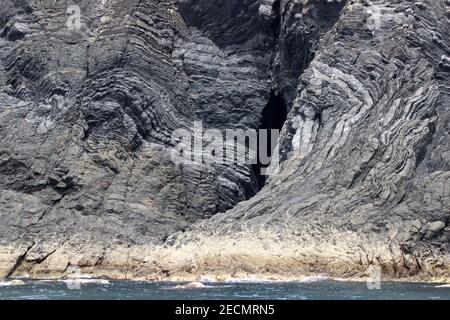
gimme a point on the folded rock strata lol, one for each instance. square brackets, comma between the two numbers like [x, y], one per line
[87, 116]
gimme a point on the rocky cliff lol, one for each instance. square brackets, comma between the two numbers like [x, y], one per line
[91, 92]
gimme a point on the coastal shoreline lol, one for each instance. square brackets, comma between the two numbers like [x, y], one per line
[229, 269]
[257, 255]
[93, 279]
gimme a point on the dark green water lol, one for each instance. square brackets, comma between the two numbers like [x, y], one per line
[323, 290]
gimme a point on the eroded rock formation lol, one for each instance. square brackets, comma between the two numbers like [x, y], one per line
[87, 116]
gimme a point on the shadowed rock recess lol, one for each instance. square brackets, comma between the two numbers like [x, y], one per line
[360, 89]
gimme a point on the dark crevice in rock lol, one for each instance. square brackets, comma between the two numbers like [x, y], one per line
[225, 22]
[19, 261]
[11, 8]
[276, 23]
[423, 151]
[273, 118]
[12, 34]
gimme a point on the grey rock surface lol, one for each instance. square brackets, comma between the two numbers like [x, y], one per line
[87, 116]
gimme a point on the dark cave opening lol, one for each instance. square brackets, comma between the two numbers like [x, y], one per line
[274, 116]
[276, 23]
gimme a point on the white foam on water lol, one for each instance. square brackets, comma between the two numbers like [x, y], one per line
[191, 285]
[12, 283]
[314, 279]
[86, 281]
[252, 279]
[207, 279]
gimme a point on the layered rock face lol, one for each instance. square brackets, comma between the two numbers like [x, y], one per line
[359, 88]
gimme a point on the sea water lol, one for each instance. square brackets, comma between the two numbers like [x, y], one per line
[136, 290]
